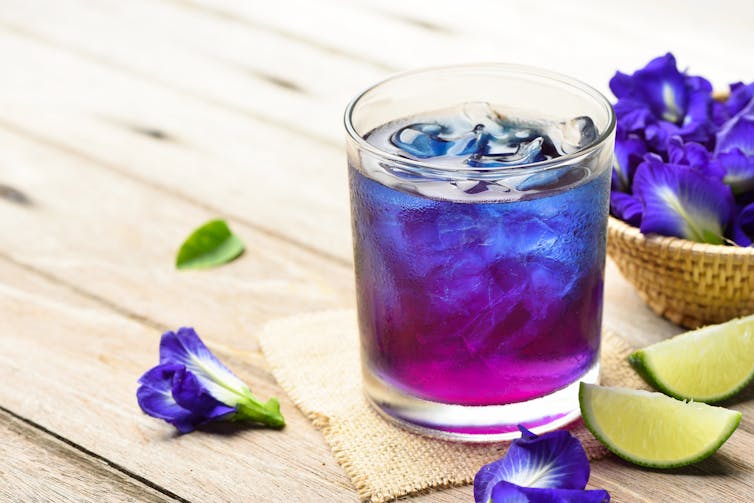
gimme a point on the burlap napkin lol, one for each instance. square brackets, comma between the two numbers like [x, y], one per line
[315, 358]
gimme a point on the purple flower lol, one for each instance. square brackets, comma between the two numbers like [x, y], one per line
[552, 467]
[684, 162]
[695, 156]
[505, 492]
[659, 102]
[190, 387]
[626, 207]
[739, 170]
[735, 150]
[629, 151]
[739, 97]
[737, 133]
[680, 201]
[742, 232]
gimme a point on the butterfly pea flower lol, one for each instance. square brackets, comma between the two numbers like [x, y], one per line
[627, 207]
[739, 96]
[191, 387]
[680, 201]
[735, 150]
[693, 155]
[658, 101]
[684, 162]
[629, 152]
[548, 468]
[742, 232]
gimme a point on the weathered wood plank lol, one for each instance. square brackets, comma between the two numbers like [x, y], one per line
[233, 163]
[215, 59]
[74, 369]
[116, 239]
[586, 39]
[35, 466]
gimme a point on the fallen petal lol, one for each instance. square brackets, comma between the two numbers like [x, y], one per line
[505, 492]
[552, 460]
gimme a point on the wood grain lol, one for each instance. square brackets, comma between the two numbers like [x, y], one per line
[240, 165]
[37, 467]
[117, 241]
[74, 369]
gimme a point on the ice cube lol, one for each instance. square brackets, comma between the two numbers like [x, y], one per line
[480, 113]
[527, 152]
[573, 135]
[420, 140]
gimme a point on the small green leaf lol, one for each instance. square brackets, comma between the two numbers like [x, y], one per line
[210, 245]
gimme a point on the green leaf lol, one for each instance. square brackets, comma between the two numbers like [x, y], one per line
[210, 245]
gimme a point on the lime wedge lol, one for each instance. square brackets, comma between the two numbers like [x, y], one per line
[651, 429]
[705, 365]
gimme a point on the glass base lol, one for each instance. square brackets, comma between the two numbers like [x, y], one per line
[487, 423]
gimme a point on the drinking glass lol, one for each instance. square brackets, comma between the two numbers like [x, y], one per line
[479, 289]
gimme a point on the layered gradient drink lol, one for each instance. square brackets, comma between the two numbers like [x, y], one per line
[479, 244]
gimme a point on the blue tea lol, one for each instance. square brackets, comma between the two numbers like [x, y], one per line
[476, 290]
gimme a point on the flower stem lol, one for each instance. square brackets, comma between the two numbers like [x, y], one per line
[268, 413]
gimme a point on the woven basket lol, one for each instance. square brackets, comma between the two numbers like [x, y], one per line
[691, 284]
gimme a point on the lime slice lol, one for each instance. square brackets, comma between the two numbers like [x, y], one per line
[705, 365]
[651, 429]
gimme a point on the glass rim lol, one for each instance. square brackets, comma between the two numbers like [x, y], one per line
[505, 69]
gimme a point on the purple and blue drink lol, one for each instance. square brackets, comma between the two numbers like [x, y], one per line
[479, 246]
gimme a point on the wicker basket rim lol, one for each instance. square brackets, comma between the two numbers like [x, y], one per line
[673, 243]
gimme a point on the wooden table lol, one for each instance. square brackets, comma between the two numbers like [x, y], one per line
[125, 124]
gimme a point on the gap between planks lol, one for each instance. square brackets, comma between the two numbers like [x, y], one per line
[81, 459]
[14, 128]
[102, 301]
[82, 53]
[244, 21]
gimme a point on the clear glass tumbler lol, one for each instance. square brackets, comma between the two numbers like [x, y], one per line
[479, 289]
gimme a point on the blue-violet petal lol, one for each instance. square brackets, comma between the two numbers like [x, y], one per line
[659, 84]
[738, 169]
[189, 393]
[626, 207]
[742, 231]
[155, 398]
[629, 152]
[505, 492]
[552, 460]
[737, 133]
[695, 156]
[184, 347]
[678, 201]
